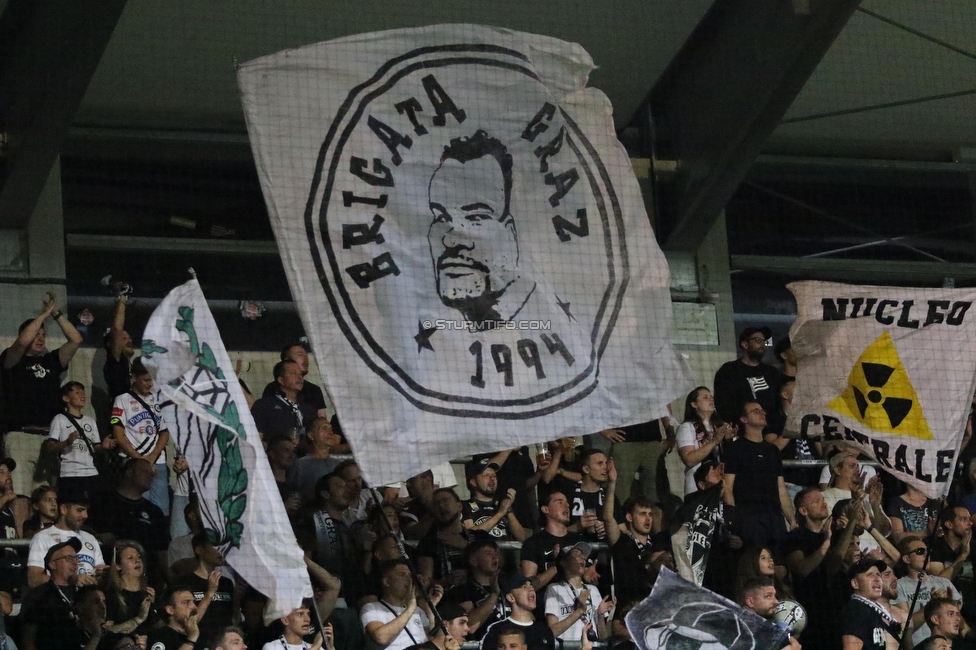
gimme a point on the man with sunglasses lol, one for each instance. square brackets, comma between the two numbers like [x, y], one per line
[915, 557]
[747, 378]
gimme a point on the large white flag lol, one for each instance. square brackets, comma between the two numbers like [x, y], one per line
[239, 499]
[465, 239]
[891, 370]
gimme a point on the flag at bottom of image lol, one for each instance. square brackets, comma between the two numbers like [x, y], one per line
[680, 614]
[213, 429]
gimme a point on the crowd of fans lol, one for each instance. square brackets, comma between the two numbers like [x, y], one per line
[558, 544]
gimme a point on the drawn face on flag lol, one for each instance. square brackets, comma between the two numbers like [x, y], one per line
[471, 241]
[473, 238]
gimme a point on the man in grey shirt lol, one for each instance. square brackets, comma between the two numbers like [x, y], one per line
[310, 468]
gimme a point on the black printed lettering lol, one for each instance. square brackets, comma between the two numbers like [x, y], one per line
[958, 313]
[934, 315]
[905, 320]
[555, 344]
[348, 199]
[478, 378]
[880, 315]
[411, 107]
[392, 138]
[529, 352]
[564, 183]
[501, 354]
[564, 227]
[834, 310]
[368, 272]
[550, 149]
[441, 101]
[536, 125]
[381, 176]
[357, 234]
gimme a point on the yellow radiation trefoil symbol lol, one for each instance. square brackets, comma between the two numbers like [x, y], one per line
[880, 395]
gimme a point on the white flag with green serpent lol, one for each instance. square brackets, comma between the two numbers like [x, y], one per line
[213, 429]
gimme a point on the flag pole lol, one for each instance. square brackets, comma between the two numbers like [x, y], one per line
[318, 617]
[438, 621]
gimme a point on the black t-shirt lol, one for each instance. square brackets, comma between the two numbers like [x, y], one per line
[940, 551]
[737, 383]
[480, 512]
[472, 592]
[220, 614]
[309, 394]
[166, 638]
[117, 374]
[629, 575]
[560, 483]
[865, 620]
[517, 469]
[538, 636]
[757, 467]
[446, 558]
[580, 502]
[31, 389]
[539, 547]
[8, 524]
[274, 417]
[51, 609]
[140, 520]
[813, 590]
[644, 432]
[119, 612]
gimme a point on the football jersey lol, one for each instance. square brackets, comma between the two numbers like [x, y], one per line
[76, 460]
[141, 426]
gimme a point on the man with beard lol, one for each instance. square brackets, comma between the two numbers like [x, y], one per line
[440, 554]
[182, 632]
[538, 557]
[889, 592]
[473, 238]
[626, 547]
[479, 597]
[483, 514]
[72, 515]
[747, 378]
[521, 600]
[866, 623]
[759, 596]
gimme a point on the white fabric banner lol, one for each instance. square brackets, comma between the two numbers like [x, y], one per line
[465, 239]
[213, 429]
[891, 370]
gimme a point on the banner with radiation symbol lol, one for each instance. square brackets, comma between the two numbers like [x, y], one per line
[890, 370]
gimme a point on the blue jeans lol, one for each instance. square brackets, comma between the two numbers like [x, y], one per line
[158, 492]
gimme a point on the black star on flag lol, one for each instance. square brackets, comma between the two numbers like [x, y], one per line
[423, 337]
[565, 307]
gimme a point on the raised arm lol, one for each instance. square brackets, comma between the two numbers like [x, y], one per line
[16, 351]
[116, 333]
[609, 521]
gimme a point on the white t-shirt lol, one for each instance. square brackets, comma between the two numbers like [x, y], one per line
[867, 470]
[140, 427]
[906, 590]
[379, 612]
[76, 460]
[686, 436]
[279, 644]
[89, 557]
[560, 597]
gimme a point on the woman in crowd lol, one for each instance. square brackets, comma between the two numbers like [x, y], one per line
[128, 599]
[44, 510]
[756, 562]
[701, 433]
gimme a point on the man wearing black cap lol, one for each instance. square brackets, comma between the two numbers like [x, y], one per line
[72, 514]
[48, 614]
[866, 623]
[747, 378]
[520, 597]
[483, 514]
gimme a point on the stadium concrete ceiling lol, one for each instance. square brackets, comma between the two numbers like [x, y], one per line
[170, 63]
